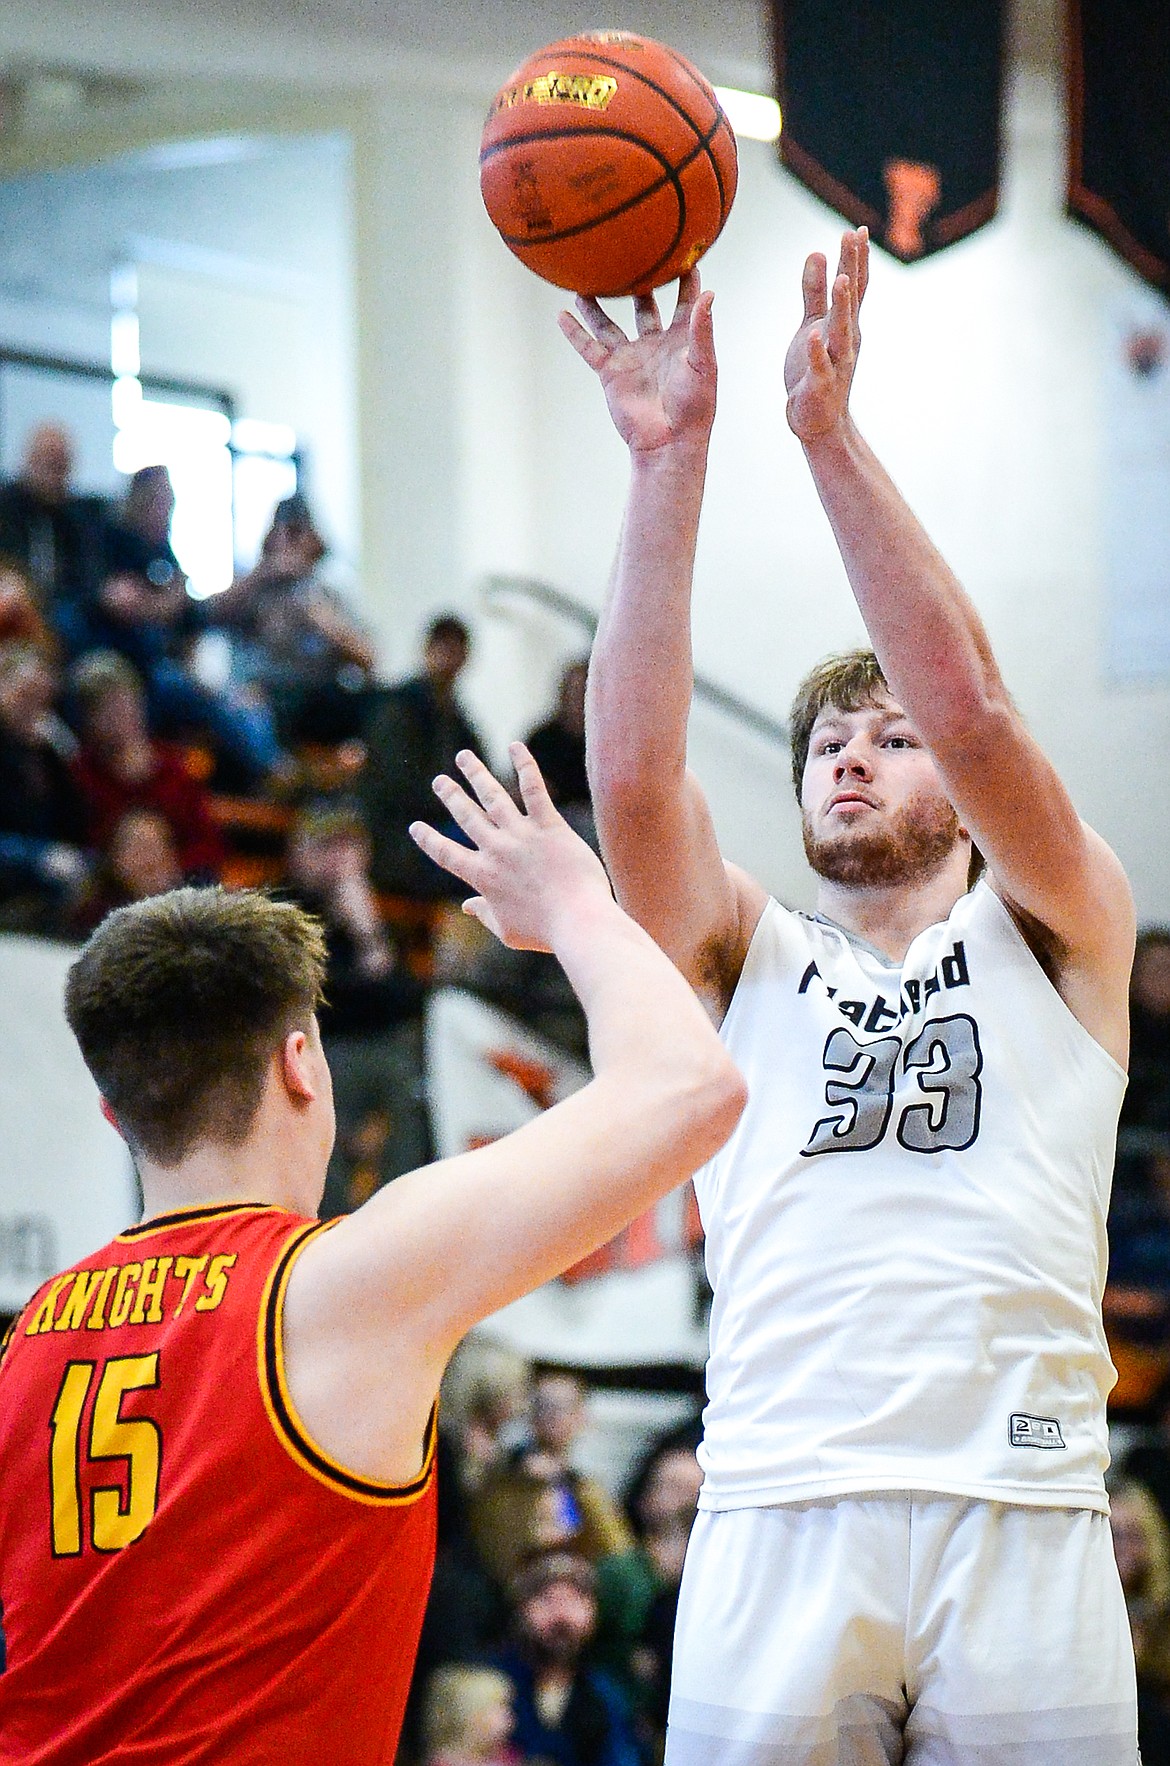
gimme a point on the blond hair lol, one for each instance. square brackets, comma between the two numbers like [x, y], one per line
[455, 1695]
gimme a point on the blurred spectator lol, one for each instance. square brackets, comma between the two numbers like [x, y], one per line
[468, 1718]
[485, 1390]
[1139, 1217]
[637, 1590]
[536, 1497]
[486, 1396]
[142, 533]
[119, 767]
[140, 620]
[558, 746]
[1146, 1457]
[1147, 1100]
[294, 636]
[371, 1023]
[416, 731]
[21, 620]
[53, 534]
[138, 548]
[139, 860]
[1141, 1544]
[42, 818]
[568, 1713]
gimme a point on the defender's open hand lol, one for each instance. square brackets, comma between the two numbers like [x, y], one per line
[527, 867]
[818, 369]
[659, 385]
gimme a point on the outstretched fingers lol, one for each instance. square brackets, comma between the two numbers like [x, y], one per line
[842, 319]
[496, 804]
[646, 315]
[689, 289]
[701, 342]
[463, 810]
[461, 861]
[598, 321]
[854, 263]
[815, 286]
[588, 348]
[533, 789]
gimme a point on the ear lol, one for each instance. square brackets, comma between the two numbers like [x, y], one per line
[296, 1068]
[110, 1117]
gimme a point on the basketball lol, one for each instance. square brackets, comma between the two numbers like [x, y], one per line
[607, 164]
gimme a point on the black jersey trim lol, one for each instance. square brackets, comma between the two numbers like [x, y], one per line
[159, 1223]
[289, 1429]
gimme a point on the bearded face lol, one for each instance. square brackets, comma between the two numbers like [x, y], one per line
[915, 840]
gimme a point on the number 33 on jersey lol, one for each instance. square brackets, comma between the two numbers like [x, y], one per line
[906, 1232]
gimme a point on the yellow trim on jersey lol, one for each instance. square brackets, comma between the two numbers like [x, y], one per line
[163, 1223]
[287, 1425]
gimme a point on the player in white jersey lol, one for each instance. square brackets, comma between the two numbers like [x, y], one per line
[903, 1551]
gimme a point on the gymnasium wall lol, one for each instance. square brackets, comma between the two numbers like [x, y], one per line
[243, 248]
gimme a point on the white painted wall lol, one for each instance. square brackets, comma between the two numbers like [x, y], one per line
[245, 252]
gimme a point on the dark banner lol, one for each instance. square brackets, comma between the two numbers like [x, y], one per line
[1119, 127]
[890, 113]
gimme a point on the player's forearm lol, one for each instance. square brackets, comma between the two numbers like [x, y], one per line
[642, 1016]
[930, 641]
[488, 1226]
[641, 671]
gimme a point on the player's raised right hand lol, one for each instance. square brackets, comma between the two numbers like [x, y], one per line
[660, 384]
[527, 867]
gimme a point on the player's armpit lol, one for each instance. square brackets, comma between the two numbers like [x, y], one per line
[663, 859]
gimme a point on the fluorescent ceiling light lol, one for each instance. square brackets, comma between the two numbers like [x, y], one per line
[750, 113]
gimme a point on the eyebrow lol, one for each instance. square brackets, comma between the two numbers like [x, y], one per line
[836, 719]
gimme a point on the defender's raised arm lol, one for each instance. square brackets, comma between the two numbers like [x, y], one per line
[398, 1283]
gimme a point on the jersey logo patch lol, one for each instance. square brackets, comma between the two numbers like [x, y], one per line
[1035, 1431]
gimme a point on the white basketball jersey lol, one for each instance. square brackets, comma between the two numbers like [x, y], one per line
[906, 1232]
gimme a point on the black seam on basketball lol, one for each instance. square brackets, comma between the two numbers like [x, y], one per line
[671, 175]
[701, 85]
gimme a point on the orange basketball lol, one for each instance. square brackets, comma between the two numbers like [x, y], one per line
[607, 164]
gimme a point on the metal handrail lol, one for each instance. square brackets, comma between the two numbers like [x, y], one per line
[497, 588]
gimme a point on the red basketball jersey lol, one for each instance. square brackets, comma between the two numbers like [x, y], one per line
[186, 1577]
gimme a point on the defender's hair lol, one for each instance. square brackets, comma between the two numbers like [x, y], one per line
[179, 1003]
[848, 681]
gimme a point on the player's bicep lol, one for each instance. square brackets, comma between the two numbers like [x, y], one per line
[668, 873]
[1043, 858]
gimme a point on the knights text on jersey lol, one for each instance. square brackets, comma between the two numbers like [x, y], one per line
[186, 1576]
[906, 1232]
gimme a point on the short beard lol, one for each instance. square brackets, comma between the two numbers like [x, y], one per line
[922, 838]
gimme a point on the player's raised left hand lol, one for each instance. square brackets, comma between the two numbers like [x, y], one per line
[660, 384]
[818, 369]
[526, 866]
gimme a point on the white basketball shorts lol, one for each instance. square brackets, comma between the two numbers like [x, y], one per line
[902, 1630]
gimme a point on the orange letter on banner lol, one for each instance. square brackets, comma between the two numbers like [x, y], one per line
[913, 191]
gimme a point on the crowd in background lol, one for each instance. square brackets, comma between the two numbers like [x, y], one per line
[150, 738]
[128, 766]
[549, 1630]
